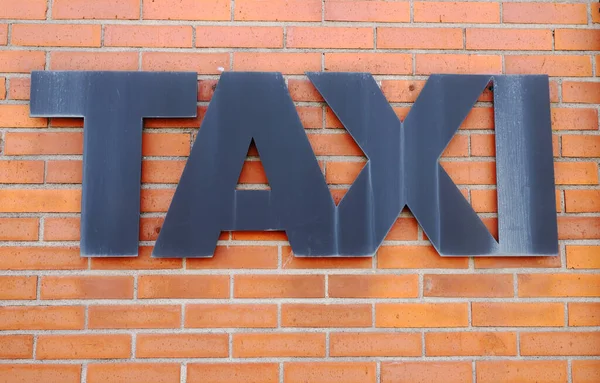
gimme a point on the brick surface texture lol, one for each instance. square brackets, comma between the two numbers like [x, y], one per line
[254, 312]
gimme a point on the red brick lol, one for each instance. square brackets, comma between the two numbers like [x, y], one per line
[581, 92]
[304, 90]
[404, 229]
[22, 61]
[61, 229]
[83, 9]
[468, 285]
[233, 373]
[583, 257]
[17, 287]
[182, 346]
[2, 88]
[156, 200]
[21, 172]
[577, 39]
[571, 66]
[343, 173]
[595, 13]
[19, 229]
[56, 35]
[133, 373]
[458, 64]
[375, 63]
[559, 285]
[471, 172]
[41, 317]
[426, 372]
[212, 10]
[367, 11]
[504, 371]
[361, 344]
[230, 315]
[19, 88]
[64, 172]
[576, 173]
[470, 344]
[329, 37]
[330, 372]
[332, 315]
[278, 10]
[172, 36]
[87, 287]
[3, 34]
[142, 262]
[544, 13]
[334, 145]
[257, 345]
[584, 314]
[402, 90]
[585, 371]
[17, 116]
[509, 39]
[39, 200]
[578, 228]
[69, 60]
[416, 257]
[88, 346]
[574, 119]
[580, 146]
[47, 373]
[41, 258]
[373, 286]
[290, 261]
[413, 315]
[582, 201]
[560, 343]
[24, 9]
[134, 316]
[43, 143]
[239, 37]
[516, 262]
[419, 38]
[16, 347]
[203, 63]
[517, 314]
[279, 286]
[183, 286]
[456, 12]
[238, 257]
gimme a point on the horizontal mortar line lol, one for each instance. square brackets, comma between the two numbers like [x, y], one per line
[323, 301]
[325, 50]
[293, 23]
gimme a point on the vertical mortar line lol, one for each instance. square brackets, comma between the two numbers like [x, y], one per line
[374, 37]
[232, 9]
[474, 371]
[84, 373]
[327, 344]
[183, 373]
[566, 319]
[41, 229]
[279, 257]
[518, 344]
[194, 36]
[516, 285]
[413, 57]
[141, 10]
[378, 371]
[412, 11]
[230, 344]
[49, 9]
[133, 345]
[281, 372]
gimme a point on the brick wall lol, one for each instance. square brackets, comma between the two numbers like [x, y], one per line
[254, 313]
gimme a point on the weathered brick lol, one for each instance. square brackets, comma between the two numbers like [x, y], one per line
[233, 372]
[41, 317]
[15, 347]
[583, 257]
[416, 257]
[19, 88]
[468, 285]
[40, 200]
[17, 287]
[238, 257]
[508, 39]
[559, 343]
[134, 316]
[311, 372]
[456, 12]
[544, 13]
[362, 344]
[419, 38]
[584, 314]
[70, 60]
[182, 346]
[577, 39]
[230, 315]
[47, 373]
[333, 315]
[517, 314]
[504, 371]
[470, 344]
[428, 371]
[278, 10]
[574, 119]
[421, 315]
[279, 286]
[585, 371]
[329, 37]
[180, 286]
[88, 346]
[582, 201]
[203, 63]
[559, 285]
[239, 37]
[41, 258]
[17, 116]
[367, 11]
[581, 92]
[563, 65]
[24, 10]
[21, 172]
[210, 10]
[19, 229]
[106, 9]
[375, 63]
[133, 372]
[373, 286]
[580, 146]
[157, 36]
[458, 64]
[87, 287]
[56, 35]
[256, 345]
[22, 61]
